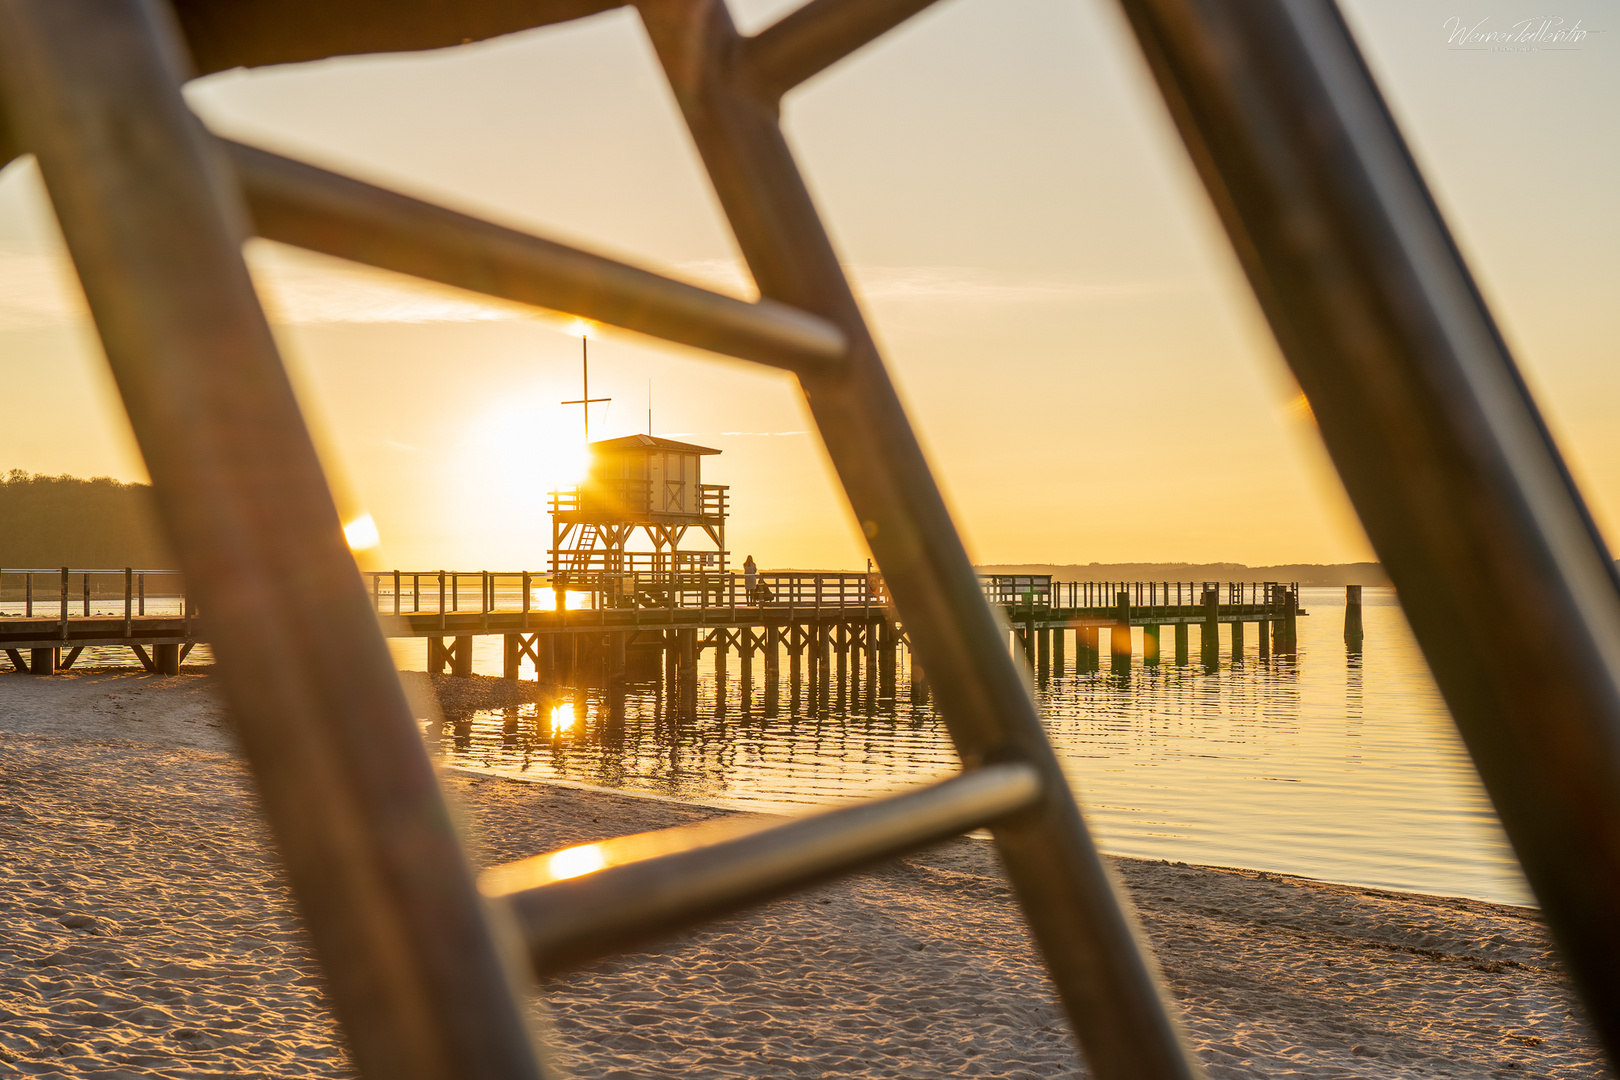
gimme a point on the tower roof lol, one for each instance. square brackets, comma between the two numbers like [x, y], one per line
[651, 442]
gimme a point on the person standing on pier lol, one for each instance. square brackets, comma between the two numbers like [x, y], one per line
[750, 578]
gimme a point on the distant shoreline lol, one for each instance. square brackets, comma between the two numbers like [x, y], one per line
[1315, 574]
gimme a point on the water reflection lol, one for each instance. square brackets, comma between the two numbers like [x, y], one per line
[1326, 762]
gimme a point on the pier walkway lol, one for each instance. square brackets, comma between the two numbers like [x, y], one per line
[598, 623]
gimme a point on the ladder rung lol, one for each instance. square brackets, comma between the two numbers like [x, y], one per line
[309, 207]
[585, 902]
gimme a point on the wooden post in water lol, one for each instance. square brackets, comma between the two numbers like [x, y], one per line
[1237, 643]
[1043, 654]
[688, 672]
[1119, 647]
[672, 665]
[773, 670]
[511, 655]
[1289, 624]
[1263, 628]
[617, 642]
[461, 661]
[1181, 644]
[823, 664]
[888, 658]
[873, 628]
[795, 666]
[1352, 618]
[1119, 635]
[1088, 651]
[1209, 640]
[1150, 646]
[1057, 650]
[842, 646]
[919, 682]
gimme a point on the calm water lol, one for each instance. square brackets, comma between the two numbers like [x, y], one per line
[1327, 766]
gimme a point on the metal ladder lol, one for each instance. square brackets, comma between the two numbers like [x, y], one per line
[1460, 488]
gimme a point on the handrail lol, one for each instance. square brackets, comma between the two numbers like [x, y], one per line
[701, 589]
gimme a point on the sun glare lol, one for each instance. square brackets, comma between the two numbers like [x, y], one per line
[576, 861]
[562, 718]
[361, 533]
[581, 328]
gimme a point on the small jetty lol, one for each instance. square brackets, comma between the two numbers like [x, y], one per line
[640, 581]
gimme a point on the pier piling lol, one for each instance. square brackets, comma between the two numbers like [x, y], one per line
[1119, 647]
[1352, 618]
[1150, 645]
[1181, 644]
[1209, 638]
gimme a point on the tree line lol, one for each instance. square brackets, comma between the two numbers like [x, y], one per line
[53, 521]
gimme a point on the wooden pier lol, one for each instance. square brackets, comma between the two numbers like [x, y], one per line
[49, 617]
[831, 627]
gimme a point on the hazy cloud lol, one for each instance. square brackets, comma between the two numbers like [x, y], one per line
[38, 288]
[953, 285]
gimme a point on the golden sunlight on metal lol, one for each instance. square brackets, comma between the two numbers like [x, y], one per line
[585, 859]
[575, 862]
[361, 533]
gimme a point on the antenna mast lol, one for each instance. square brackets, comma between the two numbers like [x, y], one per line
[586, 401]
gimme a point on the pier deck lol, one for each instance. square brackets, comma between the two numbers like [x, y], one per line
[584, 622]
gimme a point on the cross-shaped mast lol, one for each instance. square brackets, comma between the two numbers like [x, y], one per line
[586, 401]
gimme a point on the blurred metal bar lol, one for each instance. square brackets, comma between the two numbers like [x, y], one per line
[586, 902]
[816, 36]
[1507, 583]
[155, 226]
[250, 33]
[1101, 969]
[311, 208]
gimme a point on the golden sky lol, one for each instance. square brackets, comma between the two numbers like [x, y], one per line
[1082, 358]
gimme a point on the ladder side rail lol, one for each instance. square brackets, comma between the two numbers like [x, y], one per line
[1459, 484]
[1083, 927]
[155, 228]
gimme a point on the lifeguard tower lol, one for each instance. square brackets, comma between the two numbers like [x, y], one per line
[638, 484]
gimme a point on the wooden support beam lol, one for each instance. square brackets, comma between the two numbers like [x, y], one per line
[1150, 646]
[166, 658]
[1209, 639]
[17, 660]
[1181, 645]
[1119, 647]
[1352, 618]
[42, 661]
[1237, 643]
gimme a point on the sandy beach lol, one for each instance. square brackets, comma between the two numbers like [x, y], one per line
[147, 932]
